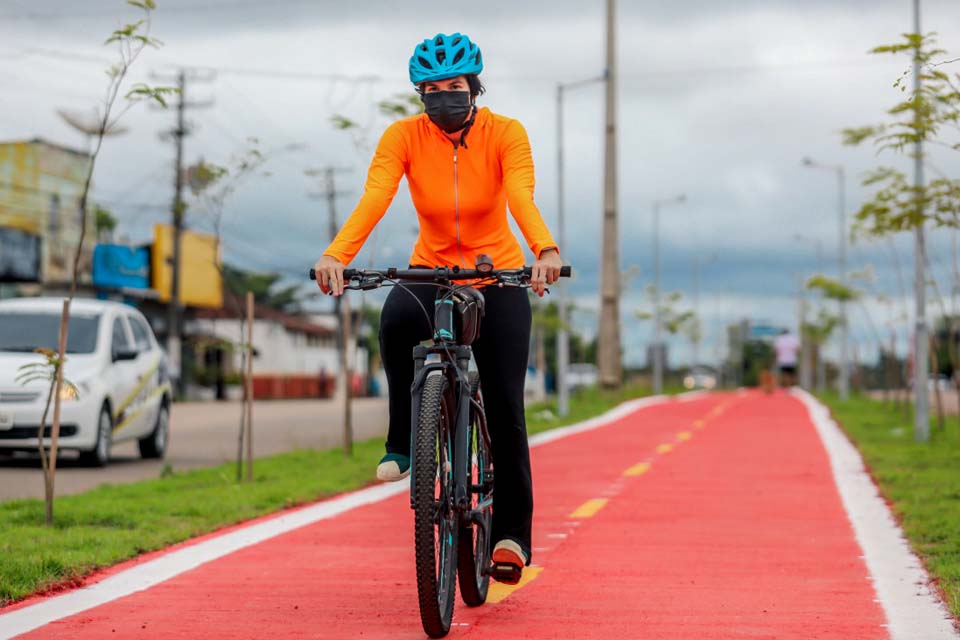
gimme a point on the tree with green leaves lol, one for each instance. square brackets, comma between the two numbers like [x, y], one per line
[130, 40]
[105, 222]
[818, 331]
[673, 320]
[928, 116]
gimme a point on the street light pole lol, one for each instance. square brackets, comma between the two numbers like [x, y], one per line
[563, 339]
[843, 384]
[657, 327]
[658, 363]
[844, 326]
[921, 419]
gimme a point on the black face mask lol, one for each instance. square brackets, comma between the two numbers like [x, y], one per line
[448, 109]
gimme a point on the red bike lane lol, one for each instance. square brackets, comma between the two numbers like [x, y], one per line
[716, 517]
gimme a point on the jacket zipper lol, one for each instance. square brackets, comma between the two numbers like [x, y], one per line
[456, 204]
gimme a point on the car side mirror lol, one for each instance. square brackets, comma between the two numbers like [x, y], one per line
[125, 354]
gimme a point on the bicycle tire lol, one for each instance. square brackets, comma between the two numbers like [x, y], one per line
[473, 548]
[435, 526]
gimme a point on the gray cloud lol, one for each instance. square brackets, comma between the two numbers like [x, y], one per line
[718, 100]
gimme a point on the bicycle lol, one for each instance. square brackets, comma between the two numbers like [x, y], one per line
[452, 474]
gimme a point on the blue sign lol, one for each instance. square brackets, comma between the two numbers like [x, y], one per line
[763, 331]
[120, 267]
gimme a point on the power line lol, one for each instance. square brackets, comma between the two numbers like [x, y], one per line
[192, 7]
[278, 73]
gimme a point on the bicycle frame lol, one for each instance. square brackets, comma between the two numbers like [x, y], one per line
[454, 361]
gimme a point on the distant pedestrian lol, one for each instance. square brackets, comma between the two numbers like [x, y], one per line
[787, 348]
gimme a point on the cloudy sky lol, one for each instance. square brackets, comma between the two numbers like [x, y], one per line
[718, 99]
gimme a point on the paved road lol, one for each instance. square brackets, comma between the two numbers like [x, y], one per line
[713, 518]
[205, 434]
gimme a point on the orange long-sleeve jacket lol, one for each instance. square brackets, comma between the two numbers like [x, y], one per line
[460, 193]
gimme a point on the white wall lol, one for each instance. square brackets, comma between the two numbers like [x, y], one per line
[279, 350]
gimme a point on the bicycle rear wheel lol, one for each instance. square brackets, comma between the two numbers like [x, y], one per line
[473, 553]
[435, 518]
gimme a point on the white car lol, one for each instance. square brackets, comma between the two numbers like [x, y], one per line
[122, 389]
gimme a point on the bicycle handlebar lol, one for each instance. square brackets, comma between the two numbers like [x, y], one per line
[442, 274]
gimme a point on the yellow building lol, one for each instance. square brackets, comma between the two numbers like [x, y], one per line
[40, 188]
[201, 284]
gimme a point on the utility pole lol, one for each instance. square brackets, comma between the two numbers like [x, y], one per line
[921, 423]
[341, 306]
[608, 339]
[178, 209]
[173, 308]
[563, 338]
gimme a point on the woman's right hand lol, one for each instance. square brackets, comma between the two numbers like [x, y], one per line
[330, 275]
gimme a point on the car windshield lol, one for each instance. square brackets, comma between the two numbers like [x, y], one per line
[28, 331]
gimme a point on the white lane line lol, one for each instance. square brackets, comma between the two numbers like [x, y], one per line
[164, 567]
[913, 609]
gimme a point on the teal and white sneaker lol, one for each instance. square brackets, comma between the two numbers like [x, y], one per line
[393, 467]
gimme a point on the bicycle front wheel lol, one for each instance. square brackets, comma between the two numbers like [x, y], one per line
[436, 523]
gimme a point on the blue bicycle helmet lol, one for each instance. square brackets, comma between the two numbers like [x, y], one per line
[443, 57]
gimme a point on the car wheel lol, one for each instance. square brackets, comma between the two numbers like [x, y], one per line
[155, 444]
[99, 456]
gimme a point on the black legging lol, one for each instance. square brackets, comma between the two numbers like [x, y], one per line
[501, 353]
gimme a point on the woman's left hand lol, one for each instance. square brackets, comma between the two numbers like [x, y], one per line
[546, 270]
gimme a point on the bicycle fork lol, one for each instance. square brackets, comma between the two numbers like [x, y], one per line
[460, 433]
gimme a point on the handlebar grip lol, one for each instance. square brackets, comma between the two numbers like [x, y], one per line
[564, 271]
[347, 274]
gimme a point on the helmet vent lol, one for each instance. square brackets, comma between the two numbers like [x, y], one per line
[424, 62]
[457, 58]
[456, 41]
[438, 41]
[442, 55]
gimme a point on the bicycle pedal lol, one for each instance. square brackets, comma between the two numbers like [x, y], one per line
[507, 573]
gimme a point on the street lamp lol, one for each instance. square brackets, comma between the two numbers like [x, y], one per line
[563, 340]
[844, 382]
[697, 337]
[658, 319]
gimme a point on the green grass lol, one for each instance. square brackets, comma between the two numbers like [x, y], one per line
[113, 523]
[921, 481]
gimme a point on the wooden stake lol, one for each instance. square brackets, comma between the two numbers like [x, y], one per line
[345, 366]
[249, 394]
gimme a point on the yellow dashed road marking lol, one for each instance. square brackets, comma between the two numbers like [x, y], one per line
[499, 592]
[589, 508]
[664, 448]
[637, 469]
[683, 436]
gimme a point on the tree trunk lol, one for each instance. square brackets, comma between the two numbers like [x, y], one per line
[935, 371]
[248, 396]
[542, 357]
[55, 428]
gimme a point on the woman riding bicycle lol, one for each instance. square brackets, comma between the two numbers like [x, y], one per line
[464, 166]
